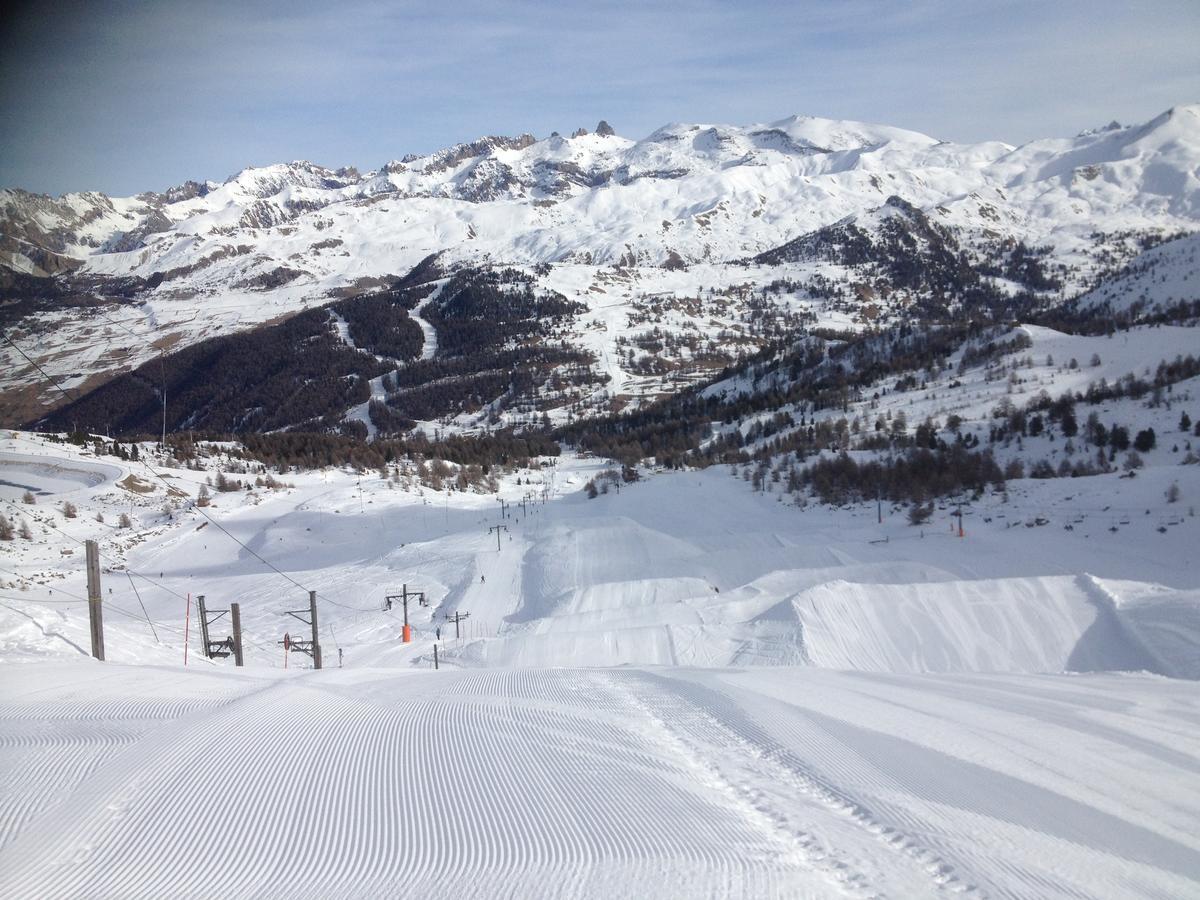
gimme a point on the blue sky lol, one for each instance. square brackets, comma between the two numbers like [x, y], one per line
[130, 96]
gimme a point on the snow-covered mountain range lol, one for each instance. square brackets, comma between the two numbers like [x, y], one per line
[830, 214]
[705, 192]
[838, 547]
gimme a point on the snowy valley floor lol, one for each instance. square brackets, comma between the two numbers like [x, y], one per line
[681, 690]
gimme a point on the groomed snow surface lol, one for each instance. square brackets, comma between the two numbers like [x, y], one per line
[684, 689]
[150, 782]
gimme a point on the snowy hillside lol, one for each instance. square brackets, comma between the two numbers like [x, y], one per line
[629, 578]
[614, 223]
[765, 720]
[1153, 280]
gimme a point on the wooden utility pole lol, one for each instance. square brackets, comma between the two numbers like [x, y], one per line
[435, 659]
[95, 611]
[456, 618]
[316, 644]
[236, 612]
[203, 625]
[211, 648]
[503, 508]
[497, 529]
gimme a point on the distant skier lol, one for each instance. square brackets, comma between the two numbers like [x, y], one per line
[339, 657]
[482, 579]
[437, 634]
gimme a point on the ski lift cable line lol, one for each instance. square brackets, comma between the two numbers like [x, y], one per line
[45, 374]
[140, 337]
[192, 367]
[106, 556]
[150, 469]
[75, 597]
[4, 601]
[41, 601]
[77, 600]
[228, 533]
[141, 618]
[110, 559]
[83, 600]
[37, 601]
[241, 544]
[328, 599]
[199, 509]
[161, 363]
[107, 606]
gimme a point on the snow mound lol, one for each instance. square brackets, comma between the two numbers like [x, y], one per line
[683, 569]
[1025, 625]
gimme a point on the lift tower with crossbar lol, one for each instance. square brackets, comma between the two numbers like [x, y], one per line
[213, 649]
[312, 647]
[404, 596]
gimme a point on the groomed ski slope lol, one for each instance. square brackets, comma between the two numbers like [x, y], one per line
[684, 689]
[615, 783]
